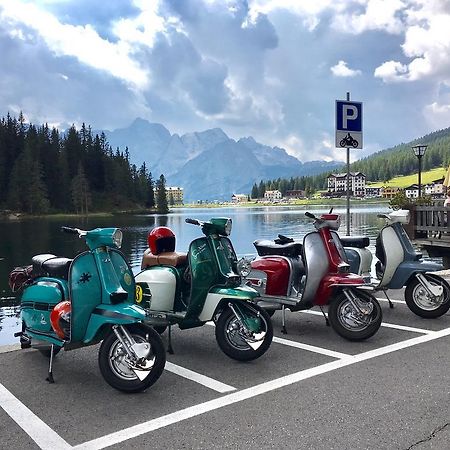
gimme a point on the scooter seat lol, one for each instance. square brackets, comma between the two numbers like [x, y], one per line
[57, 267]
[174, 259]
[355, 241]
[265, 247]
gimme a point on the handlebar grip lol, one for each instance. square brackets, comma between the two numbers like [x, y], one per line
[310, 215]
[192, 221]
[69, 230]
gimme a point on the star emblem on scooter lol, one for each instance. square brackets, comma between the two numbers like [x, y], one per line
[85, 277]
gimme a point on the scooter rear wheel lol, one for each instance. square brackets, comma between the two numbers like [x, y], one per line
[420, 302]
[350, 324]
[114, 362]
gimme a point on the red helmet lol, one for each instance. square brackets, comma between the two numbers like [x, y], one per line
[60, 319]
[160, 240]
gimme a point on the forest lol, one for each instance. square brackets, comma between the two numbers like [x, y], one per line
[380, 166]
[45, 171]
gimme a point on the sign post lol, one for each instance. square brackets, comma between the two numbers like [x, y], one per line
[348, 135]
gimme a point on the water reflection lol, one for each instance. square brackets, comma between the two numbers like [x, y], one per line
[23, 239]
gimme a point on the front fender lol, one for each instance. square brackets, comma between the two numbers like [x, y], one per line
[219, 295]
[408, 269]
[104, 314]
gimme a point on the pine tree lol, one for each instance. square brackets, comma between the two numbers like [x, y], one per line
[81, 196]
[161, 195]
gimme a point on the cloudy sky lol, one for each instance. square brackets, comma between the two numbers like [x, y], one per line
[271, 69]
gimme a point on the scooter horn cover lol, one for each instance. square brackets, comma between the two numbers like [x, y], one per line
[160, 240]
[60, 319]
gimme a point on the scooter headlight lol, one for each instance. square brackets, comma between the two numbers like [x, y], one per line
[117, 238]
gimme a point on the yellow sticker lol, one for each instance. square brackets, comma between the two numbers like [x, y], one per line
[127, 278]
[139, 294]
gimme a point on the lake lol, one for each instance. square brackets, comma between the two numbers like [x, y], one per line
[20, 240]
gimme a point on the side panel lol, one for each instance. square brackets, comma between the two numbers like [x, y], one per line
[37, 302]
[315, 258]
[160, 283]
[85, 293]
[278, 273]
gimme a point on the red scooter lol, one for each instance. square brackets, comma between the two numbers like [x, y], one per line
[298, 276]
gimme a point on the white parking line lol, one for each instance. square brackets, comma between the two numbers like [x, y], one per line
[383, 299]
[199, 378]
[405, 328]
[384, 324]
[39, 431]
[310, 348]
[245, 394]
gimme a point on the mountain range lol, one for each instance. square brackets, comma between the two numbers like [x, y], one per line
[209, 165]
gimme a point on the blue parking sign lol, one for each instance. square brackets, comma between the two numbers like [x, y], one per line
[348, 124]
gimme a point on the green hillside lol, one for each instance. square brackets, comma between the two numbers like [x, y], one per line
[408, 180]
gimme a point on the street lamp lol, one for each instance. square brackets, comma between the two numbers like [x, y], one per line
[419, 151]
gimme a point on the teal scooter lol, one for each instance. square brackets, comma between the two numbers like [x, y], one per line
[72, 303]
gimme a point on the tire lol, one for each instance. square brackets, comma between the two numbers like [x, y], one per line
[112, 360]
[160, 328]
[270, 312]
[229, 334]
[349, 326]
[420, 302]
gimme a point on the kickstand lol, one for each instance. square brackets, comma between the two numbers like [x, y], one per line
[283, 320]
[169, 347]
[391, 305]
[327, 322]
[50, 368]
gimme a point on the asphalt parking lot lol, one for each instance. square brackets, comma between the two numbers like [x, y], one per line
[312, 389]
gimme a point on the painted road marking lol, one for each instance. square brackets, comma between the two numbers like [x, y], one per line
[405, 328]
[9, 348]
[310, 348]
[199, 378]
[383, 324]
[239, 396]
[38, 430]
[382, 299]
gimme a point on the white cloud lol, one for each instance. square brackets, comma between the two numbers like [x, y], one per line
[378, 15]
[342, 70]
[391, 71]
[81, 42]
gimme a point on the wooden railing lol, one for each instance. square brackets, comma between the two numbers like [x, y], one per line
[431, 222]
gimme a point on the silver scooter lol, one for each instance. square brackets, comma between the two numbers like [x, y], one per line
[399, 265]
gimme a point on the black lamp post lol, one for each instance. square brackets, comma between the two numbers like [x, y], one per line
[419, 151]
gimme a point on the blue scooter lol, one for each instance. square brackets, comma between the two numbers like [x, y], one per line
[399, 265]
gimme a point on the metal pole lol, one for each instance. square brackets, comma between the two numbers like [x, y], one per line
[420, 176]
[348, 182]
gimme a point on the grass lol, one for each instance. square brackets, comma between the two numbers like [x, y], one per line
[408, 180]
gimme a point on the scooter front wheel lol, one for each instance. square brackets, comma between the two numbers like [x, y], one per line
[423, 304]
[125, 374]
[239, 343]
[351, 324]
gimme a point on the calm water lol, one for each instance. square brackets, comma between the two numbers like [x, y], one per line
[21, 240]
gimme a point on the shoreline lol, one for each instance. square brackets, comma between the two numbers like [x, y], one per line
[17, 216]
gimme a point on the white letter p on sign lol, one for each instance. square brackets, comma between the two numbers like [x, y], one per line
[350, 112]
